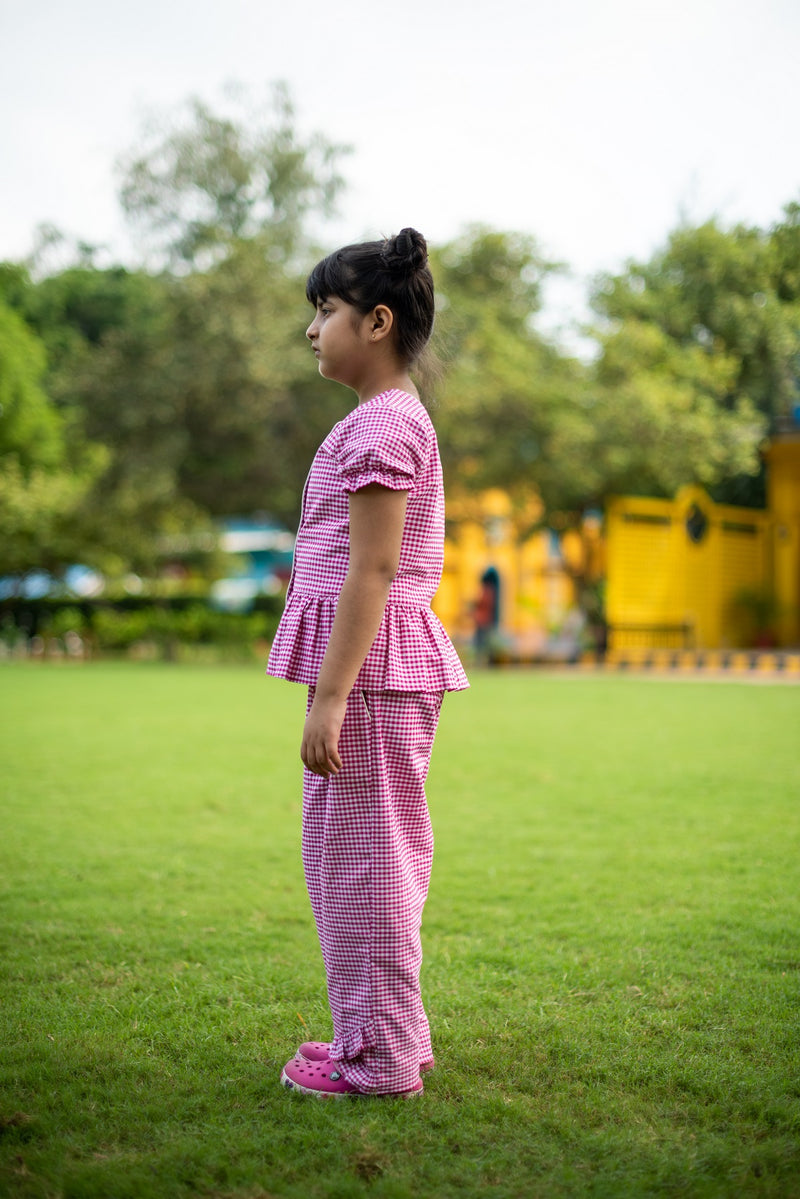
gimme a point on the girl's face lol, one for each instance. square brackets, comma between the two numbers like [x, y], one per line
[340, 336]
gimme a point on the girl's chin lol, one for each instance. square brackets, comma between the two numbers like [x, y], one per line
[332, 376]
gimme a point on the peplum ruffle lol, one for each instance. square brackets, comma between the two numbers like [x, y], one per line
[411, 651]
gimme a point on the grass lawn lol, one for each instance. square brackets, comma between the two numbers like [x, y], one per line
[612, 944]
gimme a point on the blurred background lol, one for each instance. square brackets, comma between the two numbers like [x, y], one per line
[612, 204]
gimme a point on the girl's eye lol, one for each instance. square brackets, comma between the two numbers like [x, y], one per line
[325, 311]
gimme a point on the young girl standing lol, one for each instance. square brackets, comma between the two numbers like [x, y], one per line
[359, 631]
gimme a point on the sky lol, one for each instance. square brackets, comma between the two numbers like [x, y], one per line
[596, 126]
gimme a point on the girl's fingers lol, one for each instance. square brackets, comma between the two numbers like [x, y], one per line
[319, 748]
[320, 760]
[331, 763]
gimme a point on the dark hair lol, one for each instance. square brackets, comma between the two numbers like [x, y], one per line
[393, 272]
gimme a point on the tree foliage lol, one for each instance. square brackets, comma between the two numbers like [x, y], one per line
[43, 516]
[192, 384]
[30, 431]
[507, 388]
[699, 361]
[254, 406]
[45, 477]
[228, 198]
[204, 181]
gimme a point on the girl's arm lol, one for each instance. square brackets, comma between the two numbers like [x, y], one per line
[377, 517]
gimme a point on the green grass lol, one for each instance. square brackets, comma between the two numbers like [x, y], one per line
[612, 945]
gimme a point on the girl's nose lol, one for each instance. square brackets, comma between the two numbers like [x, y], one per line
[310, 330]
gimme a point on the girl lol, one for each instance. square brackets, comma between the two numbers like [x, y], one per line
[359, 631]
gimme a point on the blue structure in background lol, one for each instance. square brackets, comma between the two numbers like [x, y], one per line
[265, 551]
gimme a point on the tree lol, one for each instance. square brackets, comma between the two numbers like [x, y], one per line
[227, 200]
[30, 431]
[507, 391]
[108, 341]
[699, 353]
[785, 261]
[253, 407]
[44, 482]
[201, 183]
[206, 391]
[168, 397]
[43, 516]
[661, 417]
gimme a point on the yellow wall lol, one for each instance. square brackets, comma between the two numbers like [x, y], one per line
[783, 494]
[660, 579]
[536, 583]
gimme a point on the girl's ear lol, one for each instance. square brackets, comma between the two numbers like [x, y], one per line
[381, 321]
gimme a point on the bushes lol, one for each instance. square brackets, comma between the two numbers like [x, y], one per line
[167, 629]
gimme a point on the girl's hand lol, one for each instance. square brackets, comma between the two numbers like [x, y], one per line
[320, 747]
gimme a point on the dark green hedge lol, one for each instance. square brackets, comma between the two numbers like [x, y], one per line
[118, 625]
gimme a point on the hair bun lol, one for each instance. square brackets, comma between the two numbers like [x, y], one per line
[406, 252]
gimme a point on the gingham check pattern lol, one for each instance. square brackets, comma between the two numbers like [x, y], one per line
[367, 853]
[388, 440]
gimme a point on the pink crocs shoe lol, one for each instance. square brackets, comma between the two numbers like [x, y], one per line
[319, 1051]
[321, 1078]
[326, 1080]
[315, 1051]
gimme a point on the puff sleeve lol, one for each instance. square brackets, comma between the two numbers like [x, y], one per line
[379, 445]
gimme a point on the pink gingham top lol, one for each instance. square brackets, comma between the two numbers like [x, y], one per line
[387, 440]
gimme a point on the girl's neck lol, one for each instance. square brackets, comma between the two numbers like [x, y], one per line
[398, 380]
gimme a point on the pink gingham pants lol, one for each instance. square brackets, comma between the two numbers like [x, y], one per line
[367, 854]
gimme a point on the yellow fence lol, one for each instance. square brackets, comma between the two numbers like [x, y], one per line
[686, 573]
[783, 493]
